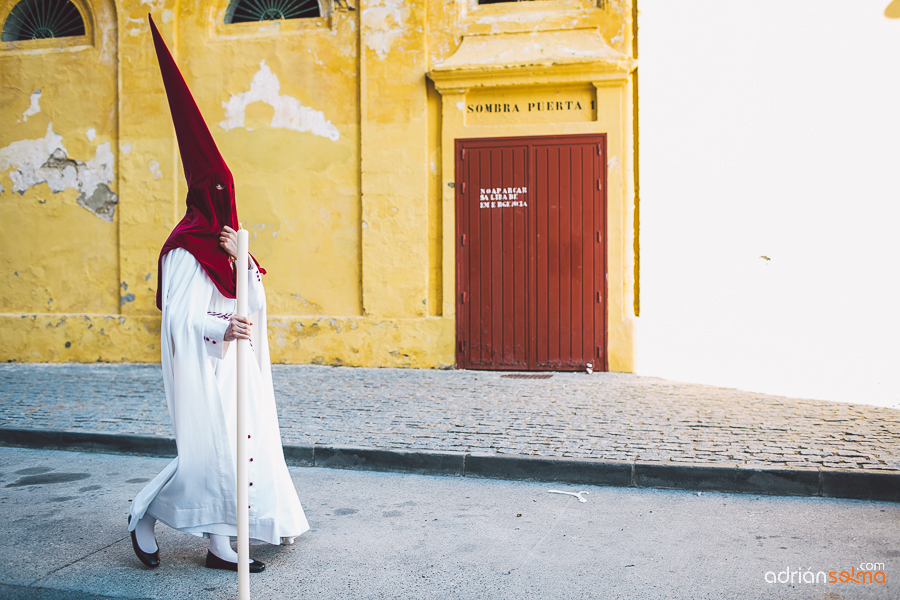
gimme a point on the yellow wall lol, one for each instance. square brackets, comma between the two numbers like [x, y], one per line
[339, 132]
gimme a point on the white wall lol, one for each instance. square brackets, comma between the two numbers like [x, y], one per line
[771, 128]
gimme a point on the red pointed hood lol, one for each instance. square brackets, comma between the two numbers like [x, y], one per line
[210, 198]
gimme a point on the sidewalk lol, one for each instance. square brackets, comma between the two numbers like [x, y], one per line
[605, 428]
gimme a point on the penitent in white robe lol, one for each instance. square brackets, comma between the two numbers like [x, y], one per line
[196, 492]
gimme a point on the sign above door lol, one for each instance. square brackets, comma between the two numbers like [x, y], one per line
[530, 105]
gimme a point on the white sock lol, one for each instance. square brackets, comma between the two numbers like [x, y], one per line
[146, 538]
[220, 545]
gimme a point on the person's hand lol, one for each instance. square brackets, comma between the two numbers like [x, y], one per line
[228, 241]
[238, 330]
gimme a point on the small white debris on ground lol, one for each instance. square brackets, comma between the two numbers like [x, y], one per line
[576, 494]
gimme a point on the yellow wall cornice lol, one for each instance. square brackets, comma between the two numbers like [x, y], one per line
[532, 58]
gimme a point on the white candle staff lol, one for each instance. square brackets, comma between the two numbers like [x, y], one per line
[243, 356]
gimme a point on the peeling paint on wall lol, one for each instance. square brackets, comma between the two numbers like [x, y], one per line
[136, 31]
[35, 107]
[28, 156]
[45, 160]
[620, 37]
[310, 308]
[154, 168]
[102, 202]
[289, 112]
[107, 29]
[384, 22]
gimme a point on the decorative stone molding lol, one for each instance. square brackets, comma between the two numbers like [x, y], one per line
[532, 58]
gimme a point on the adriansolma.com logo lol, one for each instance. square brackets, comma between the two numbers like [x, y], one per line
[866, 573]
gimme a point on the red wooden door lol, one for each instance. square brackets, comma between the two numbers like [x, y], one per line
[531, 253]
[493, 323]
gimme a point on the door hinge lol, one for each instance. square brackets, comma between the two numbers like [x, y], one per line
[598, 297]
[598, 185]
[598, 237]
[598, 351]
[599, 149]
[462, 188]
[463, 154]
[462, 297]
[462, 345]
[462, 240]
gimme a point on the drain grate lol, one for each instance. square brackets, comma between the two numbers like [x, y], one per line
[528, 375]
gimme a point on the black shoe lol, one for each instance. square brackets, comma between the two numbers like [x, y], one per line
[214, 562]
[151, 559]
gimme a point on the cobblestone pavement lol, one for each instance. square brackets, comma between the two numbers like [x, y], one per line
[609, 416]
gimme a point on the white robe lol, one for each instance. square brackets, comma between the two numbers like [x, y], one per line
[196, 492]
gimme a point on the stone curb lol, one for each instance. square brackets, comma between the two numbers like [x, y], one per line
[881, 486]
[25, 592]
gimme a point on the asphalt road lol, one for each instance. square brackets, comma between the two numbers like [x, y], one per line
[383, 535]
